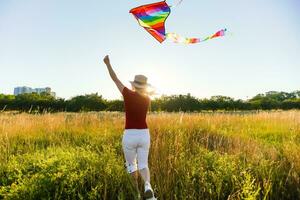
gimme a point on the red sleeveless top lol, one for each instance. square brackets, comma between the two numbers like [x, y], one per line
[136, 107]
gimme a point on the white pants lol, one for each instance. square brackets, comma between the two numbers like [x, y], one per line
[136, 144]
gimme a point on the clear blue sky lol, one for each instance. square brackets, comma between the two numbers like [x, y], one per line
[60, 43]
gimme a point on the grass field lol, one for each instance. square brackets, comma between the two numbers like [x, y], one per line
[193, 156]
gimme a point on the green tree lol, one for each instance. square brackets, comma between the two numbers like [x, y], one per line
[89, 102]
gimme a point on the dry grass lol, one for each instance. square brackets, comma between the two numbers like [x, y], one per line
[193, 156]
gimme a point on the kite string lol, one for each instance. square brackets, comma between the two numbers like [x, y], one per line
[177, 3]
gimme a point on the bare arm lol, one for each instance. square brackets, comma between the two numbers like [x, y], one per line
[113, 75]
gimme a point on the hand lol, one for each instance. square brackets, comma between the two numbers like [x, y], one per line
[106, 60]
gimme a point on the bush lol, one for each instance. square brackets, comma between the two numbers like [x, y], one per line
[68, 173]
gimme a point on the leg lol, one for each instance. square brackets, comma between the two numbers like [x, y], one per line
[135, 176]
[130, 154]
[145, 174]
[142, 157]
[131, 166]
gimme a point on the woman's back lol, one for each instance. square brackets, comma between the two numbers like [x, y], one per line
[136, 108]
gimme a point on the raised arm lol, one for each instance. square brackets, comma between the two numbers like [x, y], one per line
[112, 74]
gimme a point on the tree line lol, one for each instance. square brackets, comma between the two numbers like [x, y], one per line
[44, 102]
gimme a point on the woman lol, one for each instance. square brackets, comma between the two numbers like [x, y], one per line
[136, 138]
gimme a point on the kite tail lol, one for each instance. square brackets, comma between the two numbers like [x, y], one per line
[179, 39]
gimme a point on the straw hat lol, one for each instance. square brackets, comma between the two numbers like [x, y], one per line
[140, 81]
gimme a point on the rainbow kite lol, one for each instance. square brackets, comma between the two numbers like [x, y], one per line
[152, 18]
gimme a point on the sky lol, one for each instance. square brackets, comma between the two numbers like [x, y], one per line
[61, 44]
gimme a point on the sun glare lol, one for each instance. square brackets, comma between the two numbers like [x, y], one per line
[160, 80]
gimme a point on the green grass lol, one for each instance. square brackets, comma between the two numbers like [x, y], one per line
[193, 156]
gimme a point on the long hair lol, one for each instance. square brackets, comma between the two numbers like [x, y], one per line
[142, 91]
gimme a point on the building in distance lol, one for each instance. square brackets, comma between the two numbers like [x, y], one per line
[28, 90]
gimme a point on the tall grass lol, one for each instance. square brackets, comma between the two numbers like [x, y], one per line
[193, 156]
